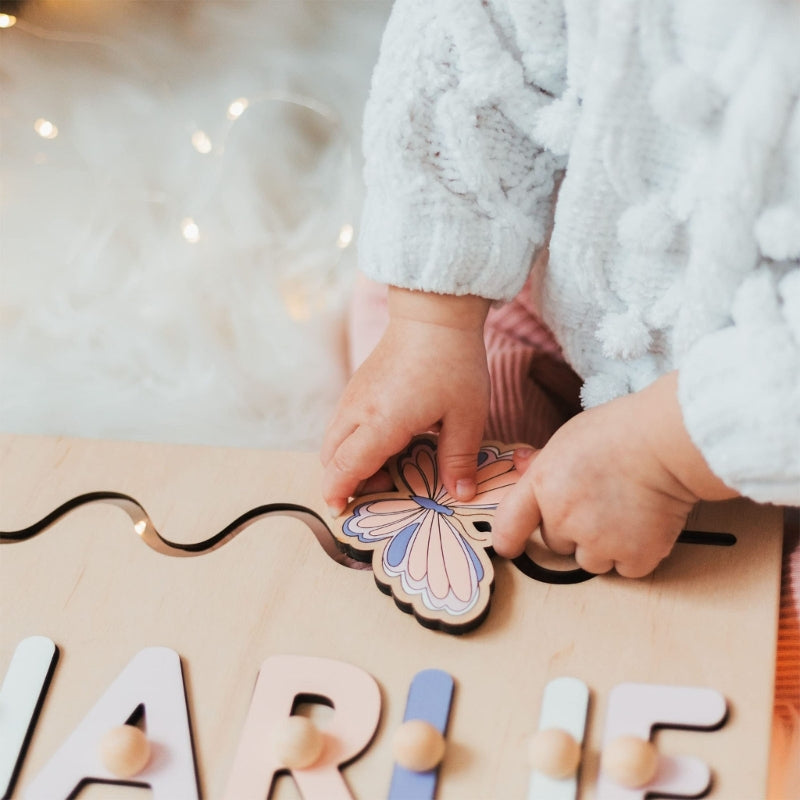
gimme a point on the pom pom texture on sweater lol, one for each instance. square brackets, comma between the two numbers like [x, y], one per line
[674, 235]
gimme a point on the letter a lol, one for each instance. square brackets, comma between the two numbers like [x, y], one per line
[153, 679]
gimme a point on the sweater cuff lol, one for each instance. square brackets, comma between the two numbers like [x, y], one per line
[738, 393]
[446, 250]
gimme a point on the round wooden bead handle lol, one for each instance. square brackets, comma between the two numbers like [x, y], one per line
[298, 742]
[418, 746]
[554, 752]
[630, 761]
[124, 751]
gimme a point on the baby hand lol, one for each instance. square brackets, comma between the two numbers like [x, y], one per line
[613, 486]
[427, 372]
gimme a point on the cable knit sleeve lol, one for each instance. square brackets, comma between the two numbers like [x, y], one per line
[740, 386]
[458, 194]
[740, 392]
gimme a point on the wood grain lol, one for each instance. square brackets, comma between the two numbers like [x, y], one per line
[706, 617]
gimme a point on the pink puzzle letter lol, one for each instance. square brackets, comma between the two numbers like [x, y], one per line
[635, 709]
[356, 700]
[153, 679]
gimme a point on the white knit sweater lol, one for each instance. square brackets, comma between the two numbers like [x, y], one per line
[676, 230]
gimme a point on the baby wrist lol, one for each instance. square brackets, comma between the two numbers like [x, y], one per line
[463, 312]
[673, 447]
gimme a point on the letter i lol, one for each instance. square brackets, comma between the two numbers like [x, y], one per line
[419, 743]
[555, 750]
[21, 698]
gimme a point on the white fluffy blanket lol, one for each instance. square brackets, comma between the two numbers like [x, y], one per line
[175, 267]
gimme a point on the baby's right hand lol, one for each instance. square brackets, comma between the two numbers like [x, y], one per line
[428, 371]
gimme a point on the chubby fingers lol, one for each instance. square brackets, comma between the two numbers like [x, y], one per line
[636, 565]
[516, 518]
[352, 454]
[593, 562]
[519, 514]
[523, 458]
[601, 536]
[457, 454]
[637, 562]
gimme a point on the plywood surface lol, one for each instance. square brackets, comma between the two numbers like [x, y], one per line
[707, 617]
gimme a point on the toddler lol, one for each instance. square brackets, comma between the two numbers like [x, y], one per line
[626, 175]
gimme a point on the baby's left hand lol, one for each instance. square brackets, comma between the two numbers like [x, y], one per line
[613, 486]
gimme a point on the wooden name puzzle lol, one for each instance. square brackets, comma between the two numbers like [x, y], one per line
[192, 620]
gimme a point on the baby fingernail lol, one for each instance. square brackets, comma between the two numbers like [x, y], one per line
[336, 508]
[523, 453]
[465, 489]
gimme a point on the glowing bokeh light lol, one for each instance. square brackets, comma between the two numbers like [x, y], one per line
[201, 142]
[190, 230]
[238, 107]
[345, 236]
[45, 128]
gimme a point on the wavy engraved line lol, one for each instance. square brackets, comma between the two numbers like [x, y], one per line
[147, 532]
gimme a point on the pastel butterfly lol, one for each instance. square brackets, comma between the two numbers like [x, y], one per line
[428, 549]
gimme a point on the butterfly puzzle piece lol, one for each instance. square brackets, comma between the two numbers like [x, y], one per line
[429, 550]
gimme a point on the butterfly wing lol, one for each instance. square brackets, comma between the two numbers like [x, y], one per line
[415, 471]
[495, 476]
[377, 519]
[435, 565]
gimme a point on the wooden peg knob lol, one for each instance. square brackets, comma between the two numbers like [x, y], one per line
[124, 751]
[554, 752]
[298, 742]
[630, 761]
[418, 746]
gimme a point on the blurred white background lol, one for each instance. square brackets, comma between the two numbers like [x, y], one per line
[180, 199]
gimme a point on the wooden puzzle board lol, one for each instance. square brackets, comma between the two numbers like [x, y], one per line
[707, 617]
